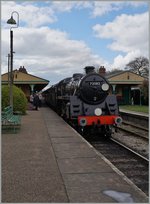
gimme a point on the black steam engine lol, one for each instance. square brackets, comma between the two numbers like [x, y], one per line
[85, 102]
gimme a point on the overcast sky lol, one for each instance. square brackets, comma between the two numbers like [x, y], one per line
[58, 38]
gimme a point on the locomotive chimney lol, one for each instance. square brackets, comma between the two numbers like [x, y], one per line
[102, 71]
[89, 69]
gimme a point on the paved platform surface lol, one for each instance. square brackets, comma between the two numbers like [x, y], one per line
[135, 113]
[48, 162]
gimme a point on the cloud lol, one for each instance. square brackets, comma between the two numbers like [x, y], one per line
[52, 54]
[100, 8]
[48, 52]
[31, 15]
[67, 6]
[120, 61]
[34, 15]
[97, 8]
[127, 32]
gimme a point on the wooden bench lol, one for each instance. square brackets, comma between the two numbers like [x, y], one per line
[10, 121]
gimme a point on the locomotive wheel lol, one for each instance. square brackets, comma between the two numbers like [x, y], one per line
[108, 132]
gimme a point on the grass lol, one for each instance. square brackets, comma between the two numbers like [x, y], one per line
[137, 108]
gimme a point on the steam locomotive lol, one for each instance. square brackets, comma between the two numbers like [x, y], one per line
[85, 102]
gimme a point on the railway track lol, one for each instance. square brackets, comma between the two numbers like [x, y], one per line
[134, 137]
[131, 150]
[130, 164]
[127, 150]
[134, 129]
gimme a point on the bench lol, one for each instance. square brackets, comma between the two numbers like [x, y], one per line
[10, 121]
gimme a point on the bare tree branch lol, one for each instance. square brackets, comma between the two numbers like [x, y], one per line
[139, 65]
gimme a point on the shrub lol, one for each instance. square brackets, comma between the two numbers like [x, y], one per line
[19, 99]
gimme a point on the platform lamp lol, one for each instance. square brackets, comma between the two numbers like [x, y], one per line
[8, 68]
[12, 22]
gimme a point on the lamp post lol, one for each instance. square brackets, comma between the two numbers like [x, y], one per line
[12, 22]
[8, 68]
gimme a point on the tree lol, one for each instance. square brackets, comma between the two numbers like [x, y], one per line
[139, 65]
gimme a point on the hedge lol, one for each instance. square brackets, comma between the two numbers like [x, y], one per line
[19, 99]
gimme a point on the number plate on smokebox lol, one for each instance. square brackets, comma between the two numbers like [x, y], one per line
[94, 83]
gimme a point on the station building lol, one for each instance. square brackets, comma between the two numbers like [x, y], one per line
[126, 85]
[27, 82]
[123, 84]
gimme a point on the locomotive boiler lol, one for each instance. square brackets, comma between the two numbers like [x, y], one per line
[85, 102]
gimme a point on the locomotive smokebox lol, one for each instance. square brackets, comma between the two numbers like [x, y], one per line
[89, 69]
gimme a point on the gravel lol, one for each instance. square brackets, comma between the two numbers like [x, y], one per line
[136, 143]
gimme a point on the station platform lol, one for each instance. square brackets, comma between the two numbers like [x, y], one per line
[136, 118]
[49, 162]
[134, 113]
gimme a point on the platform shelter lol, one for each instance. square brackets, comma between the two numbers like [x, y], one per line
[123, 83]
[27, 82]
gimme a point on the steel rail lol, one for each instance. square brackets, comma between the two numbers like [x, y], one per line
[134, 133]
[139, 155]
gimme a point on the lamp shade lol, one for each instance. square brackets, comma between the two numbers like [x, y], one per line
[11, 21]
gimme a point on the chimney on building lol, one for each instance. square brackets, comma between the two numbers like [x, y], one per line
[89, 69]
[102, 71]
[22, 69]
